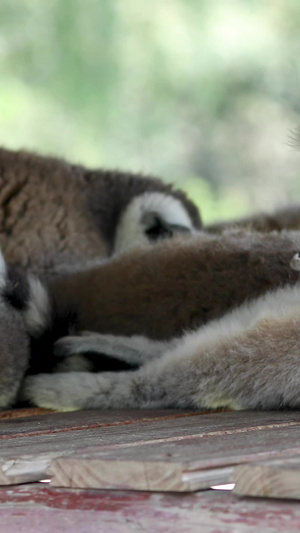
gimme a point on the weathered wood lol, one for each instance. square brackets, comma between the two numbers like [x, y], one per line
[191, 461]
[92, 472]
[44, 509]
[21, 413]
[206, 446]
[21, 466]
[208, 422]
[33, 424]
[277, 478]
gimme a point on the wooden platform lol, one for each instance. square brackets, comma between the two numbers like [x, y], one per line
[159, 458]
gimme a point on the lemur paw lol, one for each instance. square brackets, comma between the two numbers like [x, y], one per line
[71, 391]
[47, 391]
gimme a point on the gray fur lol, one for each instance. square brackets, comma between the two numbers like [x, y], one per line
[135, 350]
[14, 353]
[56, 217]
[24, 312]
[248, 359]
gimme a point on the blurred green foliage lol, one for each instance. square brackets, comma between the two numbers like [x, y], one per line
[204, 93]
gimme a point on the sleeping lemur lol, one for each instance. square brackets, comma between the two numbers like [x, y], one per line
[57, 218]
[247, 357]
[25, 312]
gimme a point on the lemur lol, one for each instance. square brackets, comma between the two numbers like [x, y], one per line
[208, 357]
[158, 292]
[25, 312]
[285, 218]
[247, 359]
[57, 217]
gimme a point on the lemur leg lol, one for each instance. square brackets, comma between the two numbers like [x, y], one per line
[135, 350]
[254, 367]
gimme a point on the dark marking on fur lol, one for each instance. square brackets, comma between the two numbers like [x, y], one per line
[16, 291]
[158, 228]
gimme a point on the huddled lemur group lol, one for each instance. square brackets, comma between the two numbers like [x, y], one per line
[190, 316]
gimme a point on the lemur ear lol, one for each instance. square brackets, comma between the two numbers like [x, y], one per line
[149, 217]
[156, 227]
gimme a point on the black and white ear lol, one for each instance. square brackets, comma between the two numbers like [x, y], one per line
[26, 294]
[149, 218]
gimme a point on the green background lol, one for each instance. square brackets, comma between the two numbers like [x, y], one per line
[203, 93]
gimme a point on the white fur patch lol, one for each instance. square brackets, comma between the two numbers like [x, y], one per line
[131, 230]
[295, 262]
[37, 313]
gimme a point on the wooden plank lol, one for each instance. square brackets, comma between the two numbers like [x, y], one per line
[214, 421]
[34, 424]
[135, 474]
[44, 509]
[186, 463]
[21, 413]
[198, 442]
[277, 478]
[190, 462]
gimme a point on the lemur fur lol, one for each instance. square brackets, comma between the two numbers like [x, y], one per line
[58, 217]
[247, 359]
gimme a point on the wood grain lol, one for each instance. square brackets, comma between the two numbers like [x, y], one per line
[177, 462]
[201, 448]
[33, 424]
[278, 478]
[92, 472]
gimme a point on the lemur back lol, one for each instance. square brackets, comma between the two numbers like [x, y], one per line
[57, 217]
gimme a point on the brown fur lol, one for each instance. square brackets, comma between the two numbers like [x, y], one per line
[177, 285]
[287, 218]
[57, 217]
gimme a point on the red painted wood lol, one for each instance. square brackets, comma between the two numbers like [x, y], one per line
[34, 508]
[21, 413]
